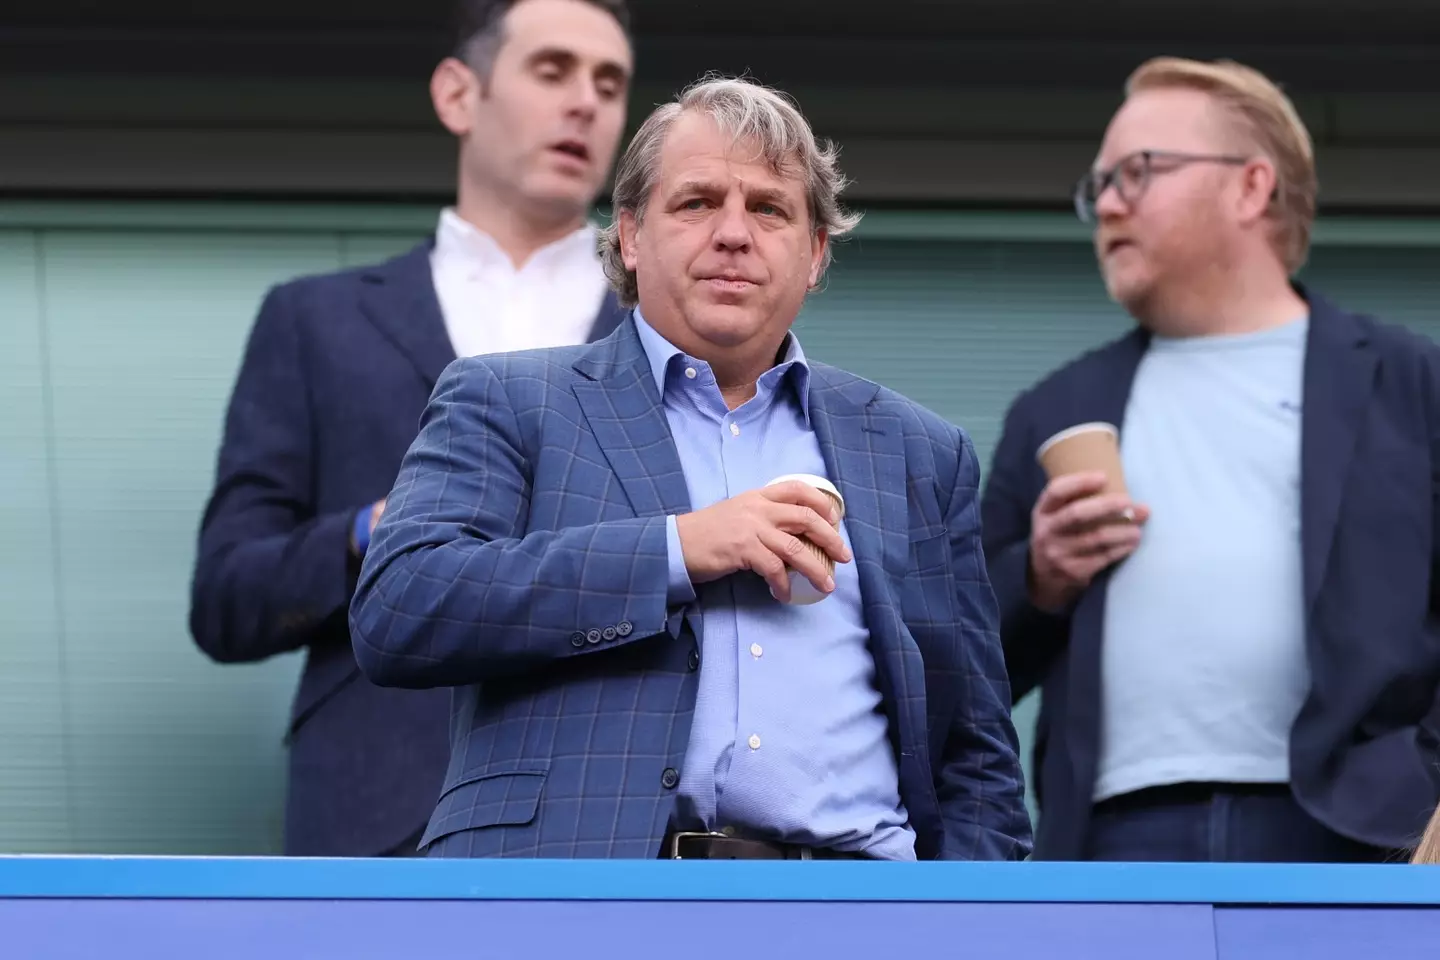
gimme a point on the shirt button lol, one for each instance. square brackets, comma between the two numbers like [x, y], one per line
[756, 650]
[734, 429]
[669, 778]
[690, 372]
[624, 627]
[577, 639]
[694, 660]
[754, 741]
[608, 634]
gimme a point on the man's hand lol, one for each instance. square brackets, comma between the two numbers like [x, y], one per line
[1075, 532]
[760, 530]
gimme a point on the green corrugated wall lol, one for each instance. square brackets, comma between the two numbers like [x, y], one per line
[120, 330]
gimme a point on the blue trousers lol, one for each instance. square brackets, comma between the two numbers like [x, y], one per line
[1236, 823]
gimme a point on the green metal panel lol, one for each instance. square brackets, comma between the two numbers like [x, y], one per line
[1400, 286]
[121, 327]
[34, 784]
[166, 751]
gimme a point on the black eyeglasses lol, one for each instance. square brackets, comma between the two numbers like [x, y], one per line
[1131, 176]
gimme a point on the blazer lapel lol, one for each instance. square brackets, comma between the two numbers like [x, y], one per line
[1103, 397]
[1339, 377]
[399, 299]
[864, 452]
[609, 317]
[621, 402]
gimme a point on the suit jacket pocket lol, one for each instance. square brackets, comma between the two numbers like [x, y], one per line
[508, 799]
[928, 592]
[327, 671]
[930, 551]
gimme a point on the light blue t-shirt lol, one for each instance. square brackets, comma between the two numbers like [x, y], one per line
[1204, 664]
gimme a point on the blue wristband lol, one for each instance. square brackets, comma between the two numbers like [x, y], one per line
[360, 530]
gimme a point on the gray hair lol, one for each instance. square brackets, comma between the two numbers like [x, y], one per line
[744, 111]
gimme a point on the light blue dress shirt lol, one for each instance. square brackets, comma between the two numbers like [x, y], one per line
[789, 740]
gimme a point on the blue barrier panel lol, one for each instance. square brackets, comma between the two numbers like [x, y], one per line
[218, 909]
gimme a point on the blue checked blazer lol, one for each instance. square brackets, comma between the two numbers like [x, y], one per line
[522, 561]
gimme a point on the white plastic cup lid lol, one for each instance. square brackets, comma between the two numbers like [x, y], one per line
[820, 483]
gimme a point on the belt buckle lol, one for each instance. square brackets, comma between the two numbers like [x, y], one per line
[675, 839]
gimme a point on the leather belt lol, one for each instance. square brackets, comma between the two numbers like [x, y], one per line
[690, 845]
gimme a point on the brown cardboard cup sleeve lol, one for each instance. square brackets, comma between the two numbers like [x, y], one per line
[1083, 448]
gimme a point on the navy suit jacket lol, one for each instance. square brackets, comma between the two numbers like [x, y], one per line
[522, 558]
[336, 374]
[1363, 751]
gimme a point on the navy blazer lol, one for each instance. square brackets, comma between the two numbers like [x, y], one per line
[522, 558]
[1363, 750]
[335, 377]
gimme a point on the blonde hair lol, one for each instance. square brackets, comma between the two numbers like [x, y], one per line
[743, 110]
[1429, 849]
[1267, 117]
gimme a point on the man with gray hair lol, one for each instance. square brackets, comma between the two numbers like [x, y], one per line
[699, 596]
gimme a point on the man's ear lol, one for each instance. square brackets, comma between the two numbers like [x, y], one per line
[454, 89]
[628, 229]
[819, 243]
[1258, 182]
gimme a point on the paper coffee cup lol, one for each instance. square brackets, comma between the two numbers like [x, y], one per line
[802, 591]
[1084, 448]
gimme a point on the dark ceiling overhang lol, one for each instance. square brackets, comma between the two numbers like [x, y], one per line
[1270, 21]
[1347, 44]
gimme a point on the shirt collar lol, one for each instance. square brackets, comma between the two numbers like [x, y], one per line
[459, 239]
[662, 355]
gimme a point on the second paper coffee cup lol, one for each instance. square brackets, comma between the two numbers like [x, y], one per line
[1084, 448]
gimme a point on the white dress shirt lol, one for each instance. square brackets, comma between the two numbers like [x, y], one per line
[491, 307]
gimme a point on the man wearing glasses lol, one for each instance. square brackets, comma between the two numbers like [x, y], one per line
[1237, 650]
